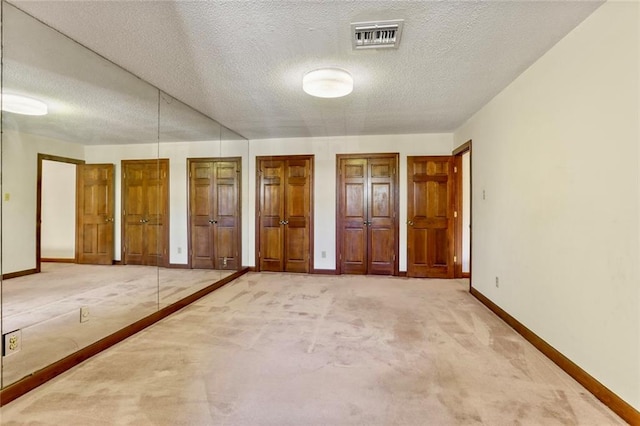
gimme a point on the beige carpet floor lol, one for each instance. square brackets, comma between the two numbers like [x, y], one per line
[46, 306]
[288, 349]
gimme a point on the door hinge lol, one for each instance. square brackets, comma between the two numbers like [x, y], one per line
[455, 214]
[124, 175]
[455, 169]
[394, 257]
[259, 254]
[455, 259]
[340, 256]
[124, 249]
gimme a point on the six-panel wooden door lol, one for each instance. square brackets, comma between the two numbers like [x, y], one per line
[145, 212]
[367, 221]
[214, 213]
[430, 224]
[95, 213]
[284, 206]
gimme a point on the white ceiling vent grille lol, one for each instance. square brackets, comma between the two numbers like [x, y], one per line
[376, 35]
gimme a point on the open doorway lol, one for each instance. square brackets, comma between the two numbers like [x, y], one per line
[462, 158]
[56, 208]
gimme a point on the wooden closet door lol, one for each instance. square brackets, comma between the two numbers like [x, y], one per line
[381, 221]
[201, 208]
[226, 214]
[297, 196]
[95, 215]
[430, 217]
[367, 220]
[353, 215]
[145, 214]
[271, 175]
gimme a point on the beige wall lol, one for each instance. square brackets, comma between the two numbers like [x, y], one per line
[556, 154]
[58, 232]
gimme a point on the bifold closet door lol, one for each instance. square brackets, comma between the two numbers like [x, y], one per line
[214, 213]
[430, 224]
[367, 214]
[145, 212]
[95, 213]
[284, 213]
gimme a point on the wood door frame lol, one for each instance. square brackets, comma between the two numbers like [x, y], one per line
[396, 205]
[191, 160]
[41, 158]
[457, 154]
[167, 224]
[311, 158]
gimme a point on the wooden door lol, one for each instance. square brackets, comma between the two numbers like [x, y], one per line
[367, 222]
[95, 213]
[214, 213]
[145, 212]
[284, 219]
[430, 221]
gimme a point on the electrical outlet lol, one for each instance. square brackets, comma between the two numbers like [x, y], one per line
[7, 196]
[12, 342]
[497, 282]
[323, 254]
[84, 314]
[179, 250]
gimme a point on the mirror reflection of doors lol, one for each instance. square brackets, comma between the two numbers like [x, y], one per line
[95, 213]
[367, 222]
[284, 220]
[430, 212]
[145, 212]
[214, 213]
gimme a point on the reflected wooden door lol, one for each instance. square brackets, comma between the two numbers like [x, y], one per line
[214, 213]
[284, 213]
[95, 213]
[367, 214]
[430, 217]
[145, 212]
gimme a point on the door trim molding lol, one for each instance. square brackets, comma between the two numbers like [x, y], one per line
[48, 157]
[457, 155]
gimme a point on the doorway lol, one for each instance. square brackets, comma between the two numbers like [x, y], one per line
[462, 158]
[214, 213]
[45, 160]
[284, 220]
[367, 221]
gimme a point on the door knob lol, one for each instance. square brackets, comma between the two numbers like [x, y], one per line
[141, 220]
[213, 221]
[285, 222]
[410, 222]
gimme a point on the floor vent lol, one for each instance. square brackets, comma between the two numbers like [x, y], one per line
[376, 35]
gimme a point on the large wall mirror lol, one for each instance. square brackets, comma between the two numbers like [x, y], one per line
[117, 200]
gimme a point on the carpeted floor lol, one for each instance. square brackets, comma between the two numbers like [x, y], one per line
[289, 349]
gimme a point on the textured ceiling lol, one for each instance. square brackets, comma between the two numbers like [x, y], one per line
[242, 62]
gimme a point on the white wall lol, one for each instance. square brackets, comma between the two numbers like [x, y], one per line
[58, 232]
[557, 154]
[325, 150]
[19, 175]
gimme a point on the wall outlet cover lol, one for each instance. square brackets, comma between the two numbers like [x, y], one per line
[11, 342]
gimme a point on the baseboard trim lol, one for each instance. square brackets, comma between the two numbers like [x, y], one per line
[39, 377]
[58, 260]
[600, 391]
[402, 274]
[179, 265]
[324, 272]
[19, 274]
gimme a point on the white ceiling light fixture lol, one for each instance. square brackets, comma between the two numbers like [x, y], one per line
[23, 105]
[327, 83]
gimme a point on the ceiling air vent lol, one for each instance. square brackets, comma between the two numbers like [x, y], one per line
[376, 35]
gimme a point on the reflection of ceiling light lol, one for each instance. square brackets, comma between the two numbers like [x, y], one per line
[23, 105]
[327, 83]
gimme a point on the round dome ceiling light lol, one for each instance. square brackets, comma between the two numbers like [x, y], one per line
[327, 83]
[23, 105]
